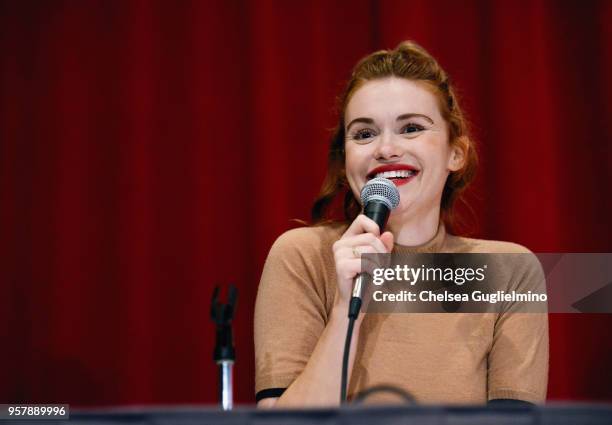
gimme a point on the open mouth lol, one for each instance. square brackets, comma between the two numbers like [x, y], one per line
[398, 177]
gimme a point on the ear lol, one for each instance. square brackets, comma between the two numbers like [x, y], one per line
[459, 151]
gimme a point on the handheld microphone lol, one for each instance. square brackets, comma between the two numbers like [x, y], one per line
[379, 196]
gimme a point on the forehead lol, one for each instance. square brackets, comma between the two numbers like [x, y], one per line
[389, 97]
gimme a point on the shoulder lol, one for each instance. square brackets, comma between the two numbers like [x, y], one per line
[309, 239]
[470, 245]
[523, 262]
[302, 261]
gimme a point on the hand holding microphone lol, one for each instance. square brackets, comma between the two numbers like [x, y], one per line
[379, 196]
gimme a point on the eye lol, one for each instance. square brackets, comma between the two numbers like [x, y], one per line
[412, 128]
[364, 134]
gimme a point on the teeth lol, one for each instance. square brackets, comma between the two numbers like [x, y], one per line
[396, 174]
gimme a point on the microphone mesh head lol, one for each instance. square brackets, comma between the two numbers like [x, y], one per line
[382, 190]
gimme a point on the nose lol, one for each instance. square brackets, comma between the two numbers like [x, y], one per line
[387, 147]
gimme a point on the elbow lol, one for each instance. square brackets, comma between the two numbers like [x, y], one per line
[267, 403]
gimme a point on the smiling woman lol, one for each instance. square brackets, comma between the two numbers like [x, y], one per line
[409, 64]
[399, 119]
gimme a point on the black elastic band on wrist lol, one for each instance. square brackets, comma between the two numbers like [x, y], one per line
[269, 393]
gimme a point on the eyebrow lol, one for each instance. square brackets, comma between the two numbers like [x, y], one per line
[399, 118]
[406, 116]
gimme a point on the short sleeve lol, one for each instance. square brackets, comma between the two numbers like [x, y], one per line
[518, 360]
[290, 310]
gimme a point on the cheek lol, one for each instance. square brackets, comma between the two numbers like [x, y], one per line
[439, 154]
[439, 172]
[353, 162]
[354, 166]
[436, 164]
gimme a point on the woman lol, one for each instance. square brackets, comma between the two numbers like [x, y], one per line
[399, 119]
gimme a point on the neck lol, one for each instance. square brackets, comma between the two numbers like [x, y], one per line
[410, 229]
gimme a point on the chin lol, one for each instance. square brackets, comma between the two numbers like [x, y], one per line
[405, 207]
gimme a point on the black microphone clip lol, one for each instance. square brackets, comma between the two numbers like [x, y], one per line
[223, 314]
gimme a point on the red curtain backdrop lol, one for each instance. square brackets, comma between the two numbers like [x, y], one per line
[150, 150]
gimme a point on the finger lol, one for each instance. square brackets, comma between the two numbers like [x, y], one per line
[370, 258]
[348, 268]
[362, 224]
[387, 239]
[363, 265]
[363, 239]
[359, 250]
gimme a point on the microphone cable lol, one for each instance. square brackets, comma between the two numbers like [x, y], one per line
[354, 308]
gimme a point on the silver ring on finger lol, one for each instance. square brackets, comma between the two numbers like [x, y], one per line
[356, 252]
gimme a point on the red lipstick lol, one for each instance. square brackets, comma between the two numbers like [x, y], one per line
[398, 181]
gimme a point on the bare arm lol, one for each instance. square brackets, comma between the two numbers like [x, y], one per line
[319, 382]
